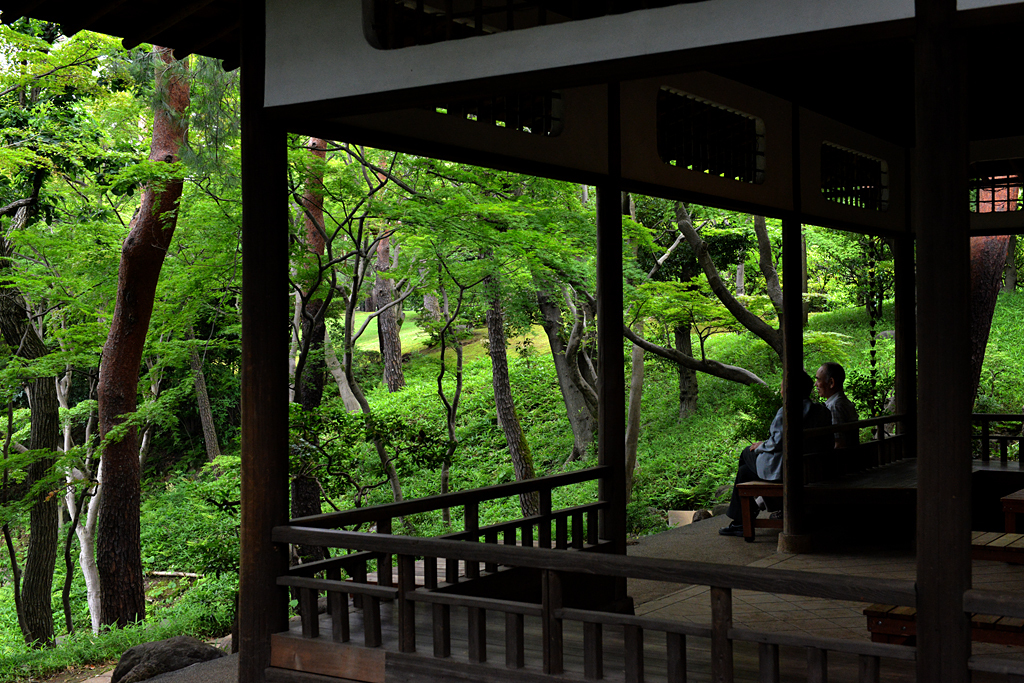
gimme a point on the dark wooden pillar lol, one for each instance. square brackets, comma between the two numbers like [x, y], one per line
[794, 537]
[611, 432]
[906, 337]
[943, 302]
[262, 604]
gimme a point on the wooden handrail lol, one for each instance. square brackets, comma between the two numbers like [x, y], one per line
[448, 500]
[812, 584]
[994, 602]
[859, 424]
[997, 417]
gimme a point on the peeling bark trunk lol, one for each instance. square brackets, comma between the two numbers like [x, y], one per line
[142, 257]
[518, 448]
[687, 376]
[387, 321]
[988, 256]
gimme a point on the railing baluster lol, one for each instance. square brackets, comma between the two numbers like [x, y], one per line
[358, 576]
[544, 526]
[309, 612]
[593, 651]
[371, 621]
[385, 577]
[526, 533]
[984, 441]
[592, 528]
[1004, 451]
[551, 627]
[491, 537]
[406, 606]
[768, 663]
[868, 669]
[337, 606]
[510, 536]
[451, 570]
[515, 655]
[442, 623]
[471, 522]
[721, 645]
[817, 665]
[577, 530]
[477, 618]
[430, 573]
[561, 532]
[633, 646]
[675, 650]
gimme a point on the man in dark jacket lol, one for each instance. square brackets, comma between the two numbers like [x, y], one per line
[763, 460]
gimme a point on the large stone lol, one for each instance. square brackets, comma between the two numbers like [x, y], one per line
[147, 660]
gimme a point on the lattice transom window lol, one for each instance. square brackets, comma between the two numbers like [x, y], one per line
[539, 113]
[996, 186]
[701, 135]
[394, 24]
[853, 178]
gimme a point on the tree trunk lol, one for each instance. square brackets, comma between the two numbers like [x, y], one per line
[636, 390]
[1010, 280]
[687, 376]
[387, 321]
[741, 288]
[338, 373]
[37, 589]
[518, 448]
[37, 577]
[582, 419]
[142, 256]
[203, 406]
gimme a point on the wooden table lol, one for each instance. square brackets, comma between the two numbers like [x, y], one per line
[1013, 505]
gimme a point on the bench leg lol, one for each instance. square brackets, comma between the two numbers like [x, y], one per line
[748, 520]
[1011, 522]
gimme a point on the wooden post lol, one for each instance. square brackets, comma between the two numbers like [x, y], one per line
[794, 537]
[262, 604]
[944, 352]
[551, 626]
[906, 337]
[721, 645]
[611, 388]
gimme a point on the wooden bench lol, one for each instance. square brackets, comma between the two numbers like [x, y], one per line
[749, 490]
[898, 625]
[997, 546]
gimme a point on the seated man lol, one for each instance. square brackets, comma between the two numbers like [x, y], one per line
[829, 381]
[763, 460]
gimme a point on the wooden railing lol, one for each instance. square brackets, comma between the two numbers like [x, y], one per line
[555, 567]
[881, 449]
[575, 527]
[986, 436]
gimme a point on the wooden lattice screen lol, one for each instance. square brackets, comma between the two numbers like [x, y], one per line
[854, 179]
[539, 113]
[396, 24]
[995, 186]
[700, 135]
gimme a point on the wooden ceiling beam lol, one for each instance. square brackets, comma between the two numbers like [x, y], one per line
[154, 30]
[212, 37]
[12, 15]
[98, 12]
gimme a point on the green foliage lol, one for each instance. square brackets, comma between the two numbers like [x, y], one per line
[755, 411]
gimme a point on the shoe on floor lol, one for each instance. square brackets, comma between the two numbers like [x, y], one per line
[776, 515]
[734, 529]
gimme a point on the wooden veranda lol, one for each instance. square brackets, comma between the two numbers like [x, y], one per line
[862, 115]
